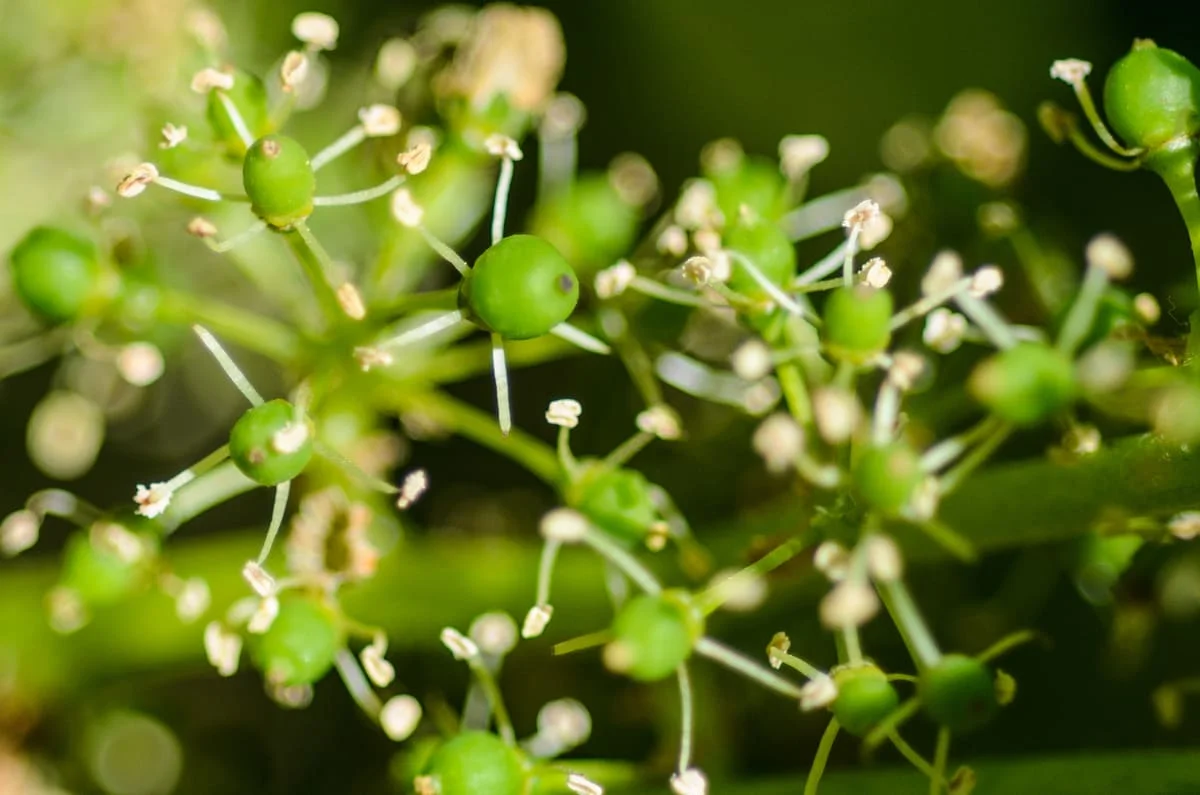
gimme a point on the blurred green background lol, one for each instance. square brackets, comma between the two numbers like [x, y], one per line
[78, 81]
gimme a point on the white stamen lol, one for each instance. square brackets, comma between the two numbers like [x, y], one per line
[536, 620]
[1147, 308]
[415, 484]
[1072, 71]
[19, 532]
[201, 227]
[661, 421]
[379, 670]
[689, 782]
[351, 302]
[986, 281]
[264, 616]
[906, 368]
[698, 270]
[294, 70]
[582, 785]
[564, 525]
[837, 413]
[173, 136]
[697, 206]
[117, 540]
[777, 648]
[318, 31]
[290, 437]
[258, 578]
[211, 79]
[884, 560]
[833, 560]
[405, 209]
[1185, 526]
[739, 591]
[396, 63]
[779, 440]
[876, 230]
[416, 158]
[399, 717]
[849, 604]
[944, 272]
[379, 121]
[673, 241]
[944, 330]
[614, 280]
[875, 273]
[152, 500]
[222, 647]
[752, 360]
[798, 154]
[502, 146]
[193, 600]
[462, 647]
[861, 214]
[564, 413]
[817, 693]
[136, 181]
[368, 357]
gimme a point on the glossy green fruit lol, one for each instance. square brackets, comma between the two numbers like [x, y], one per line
[56, 274]
[588, 222]
[887, 477]
[99, 576]
[754, 182]
[249, 96]
[477, 763]
[279, 180]
[1024, 384]
[959, 693]
[653, 635]
[618, 500]
[1152, 96]
[767, 247]
[255, 447]
[857, 323]
[520, 288]
[301, 643]
[865, 697]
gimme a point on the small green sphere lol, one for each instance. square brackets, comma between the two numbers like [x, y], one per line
[100, 576]
[301, 643]
[959, 693]
[857, 323]
[279, 180]
[262, 452]
[754, 182]
[520, 288]
[618, 500]
[653, 635]
[887, 477]
[588, 222]
[1024, 384]
[1152, 96]
[56, 274]
[249, 96]
[767, 247]
[477, 763]
[865, 697]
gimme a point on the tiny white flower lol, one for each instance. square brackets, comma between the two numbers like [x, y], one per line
[906, 368]
[614, 280]
[884, 560]
[379, 121]
[582, 785]
[502, 146]
[379, 670]
[1108, 253]
[536, 620]
[945, 270]
[290, 437]
[779, 441]
[136, 180]
[1072, 71]
[415, 158]
[192, 600]
[564, 525]
[875, 273]
[832, 559]
[661, 421]
[264, 616]
[848, 604]
[564, 413]
[689, 782]
[944, 330]
[415, 484]
[222, 647]
[318, 31]
[211, 79]
[399, 717]
[152, 500]
[752, 360]
[140, 363]
[462, 647]
[798, 154]
[405, 209]
[673, 240]
[697, 270]
[858, 216]
[494, 633]
[294, 70]
[1185, 526]
[986, 281]
[396, 63]
[837, 413]
[817, 693]
[201, 227]
[258, 579]
[173, 136]
[19, 532]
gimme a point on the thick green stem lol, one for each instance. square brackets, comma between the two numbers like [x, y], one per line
[314, 261]
[250, 330]
[1176, 164]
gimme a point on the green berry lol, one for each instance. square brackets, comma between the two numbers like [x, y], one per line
[249, 96]
[767, 247]
[959, 693]
[520, 288]
[865, 697]
[100, 576]
[618, 500]
[477, 763]
[653, 635]
[279, 180]
[887, 477]
[588, 222]
[1152, 96]
[262, 452]
[1024, 384]
[754, 182]
[56, 274]
[301, 643]
[857, 323]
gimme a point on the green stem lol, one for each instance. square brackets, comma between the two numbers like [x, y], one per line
[818, 765]
[1176, 165]
[315, 262]
[248, 329]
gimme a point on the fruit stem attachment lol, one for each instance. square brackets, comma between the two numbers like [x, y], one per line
[317, 267]
[1176, 164]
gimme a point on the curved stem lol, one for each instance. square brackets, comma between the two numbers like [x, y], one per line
[818, 765]
[316, 264]
[1176, 166]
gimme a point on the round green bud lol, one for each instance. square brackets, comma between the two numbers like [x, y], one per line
[857, 323]
[520, 288]
[475, 763]
[887, 477]
[56, 274]
[767, 247]
[754, 182]
[865, 697]
[99, 575]
[653, 635]
[1024, 384]
[279, 180]
[270, 444]
[618, 500]
[1152, 96]
[588, 222]
[300, 645]
[249, 96]
[958, 692]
